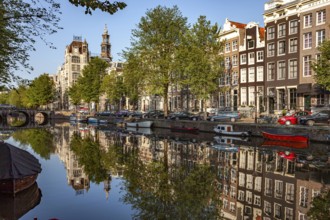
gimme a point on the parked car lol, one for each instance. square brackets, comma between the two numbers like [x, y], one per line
[292, 118]
[154, 114]
[135, 114]
[184, 115]
[105, 113]
[225, 115]
[317, 117]
[318, 108]
[122, 113]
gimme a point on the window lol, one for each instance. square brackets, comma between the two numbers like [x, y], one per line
[281, 30]
[293, 98]
[249, 181]
[243, 58]
[251, 58]
[281, 47]
[260, 73]
[257, 183]
[227, 63]
[308, 40]
[234, 45]
[293, 27]
[289, 194]
[307, 66]
[235, 78]
[267, 208]
[268, 187]
[320, 17]
[270, 71]
[320, 37]
[308, 20]
[260, 56]
[302, 216]
[278, 189]
[241, 179]
[243, 75]
[75, 59]
[249, 197]
[250, 44]
[251, 74]
[243, 98]
[257, 200]
[234, 60]
[241, 195]
[232, 207]
[288, 214]
[270, 33]
[293, 69]
[251, 102]
[248, 210]
[281, 70]
[293, 45]
[270, 50]
[232, 192]
[303, 200]
[277, 210]
[227, 47]
[320, 99]
[225, 204]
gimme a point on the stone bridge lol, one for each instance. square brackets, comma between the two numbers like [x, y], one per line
[30, 117]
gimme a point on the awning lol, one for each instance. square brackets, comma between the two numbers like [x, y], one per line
[318, 89]
[304, 88]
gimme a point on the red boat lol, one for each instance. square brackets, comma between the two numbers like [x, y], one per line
[275, 135]
[184, 129]
[290, 144]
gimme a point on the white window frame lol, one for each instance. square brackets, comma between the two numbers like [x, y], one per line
[293, 27]
[260, 56]
[307, 69]
[251, 58]
[281, 47]
[251, 97]
[251, 74]
[270, 33]
[320, 17]
[270, 49]
[320, 37]
[243, 59]
[308, 20]
[289, 192]
[293, 69]
[281, 30]
[234, 45]
[227, 47]
[307, 40]
[293, 45]
[281, 70]
[243, 95]
[235, 78]
[243, 77]
[271, 75]
[250, 44]
[241, 179]
[260, 73]
[234, 59]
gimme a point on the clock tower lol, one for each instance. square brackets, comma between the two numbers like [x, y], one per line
[105, 45]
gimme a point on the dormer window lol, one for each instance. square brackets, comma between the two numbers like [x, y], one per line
[250, 44]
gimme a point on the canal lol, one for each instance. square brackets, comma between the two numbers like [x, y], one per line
[105, 172]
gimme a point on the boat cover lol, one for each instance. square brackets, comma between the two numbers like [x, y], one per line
[16, 163]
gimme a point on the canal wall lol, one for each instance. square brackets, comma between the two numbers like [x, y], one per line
[315, 133]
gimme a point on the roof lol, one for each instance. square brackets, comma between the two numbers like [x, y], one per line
[16, 163]
[237, 24]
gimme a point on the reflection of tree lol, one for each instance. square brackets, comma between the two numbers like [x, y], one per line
[320, 209]
[90, 156]
[41, 140]
[161, 193]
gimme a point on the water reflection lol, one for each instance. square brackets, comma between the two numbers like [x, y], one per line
[180, 176]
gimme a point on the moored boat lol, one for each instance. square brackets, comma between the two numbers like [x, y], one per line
[18, 169]
[284, 136]
[289, 144]
[78, 118]
[139, 124]
[228, 130]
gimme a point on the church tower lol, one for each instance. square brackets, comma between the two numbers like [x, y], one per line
[105, 45]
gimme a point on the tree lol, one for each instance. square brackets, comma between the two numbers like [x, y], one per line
[75, 94]
[320, 209]
[155, 42]
[91, 79]
[198, 59]
[21, 24]
[41, 91]
[113, 86]
[105, 6]
[322, 65]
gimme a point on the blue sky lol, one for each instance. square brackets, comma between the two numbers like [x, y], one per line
[120, 25]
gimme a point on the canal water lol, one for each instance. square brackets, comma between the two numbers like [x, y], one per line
[105, 172]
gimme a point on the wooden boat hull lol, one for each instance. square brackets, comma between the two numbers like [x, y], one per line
[139, 124]
[285, 137]
[17, 185]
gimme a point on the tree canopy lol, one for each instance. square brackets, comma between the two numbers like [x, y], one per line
[105, 6]
[322, 65]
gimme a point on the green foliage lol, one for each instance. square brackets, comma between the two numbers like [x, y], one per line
[320, 209]
[155, 42]
[41, 91]
[322, 65]
[105, 6]
[41, 141]
[114, 87]
[75, 94]
[4, 98]
[21, 24]
[89, 155]
[198, 59]
[91, 80]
